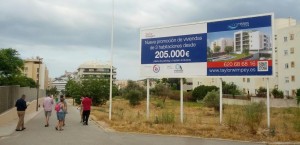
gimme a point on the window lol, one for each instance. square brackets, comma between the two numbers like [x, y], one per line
[292, 64]
[38, 70]
[286, 66]
[286, 52]
[292, 36]
[285, 39]
[287, 80]
[294, 92]
[248, 80]
[275, 37]
[275, 49]
[293, 78]
[276, 74]
[292, 50]
[286, 93]
[244, 79]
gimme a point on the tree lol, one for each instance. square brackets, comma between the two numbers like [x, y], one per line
[52, 91]
[298, 96]
[230, 88]
[134, 93]
[246, 51]
[212, 99]
[200, 92]
[10, 69]
[97, 89]
[217, 49]
[73, 89]
[228, 49]
[162, 90]
[10, 62]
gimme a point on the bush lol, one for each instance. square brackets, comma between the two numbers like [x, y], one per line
[200, 92]
[253, 115]
[212, 99]
[261, 92]
[134, 97]
[160, 104]
[277, 93]
[165, 118]
[175, 95]
[298, 96]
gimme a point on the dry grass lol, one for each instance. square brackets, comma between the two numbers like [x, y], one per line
[199, 121]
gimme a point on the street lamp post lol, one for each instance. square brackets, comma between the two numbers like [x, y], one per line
[38, 84]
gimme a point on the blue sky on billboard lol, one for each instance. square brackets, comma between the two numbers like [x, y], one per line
[69, 32]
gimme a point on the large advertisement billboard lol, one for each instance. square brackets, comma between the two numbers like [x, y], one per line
[229, 47]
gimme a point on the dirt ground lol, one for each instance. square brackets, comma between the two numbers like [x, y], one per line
[200, 121]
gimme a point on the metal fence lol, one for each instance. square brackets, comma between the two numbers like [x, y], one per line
[9, 95]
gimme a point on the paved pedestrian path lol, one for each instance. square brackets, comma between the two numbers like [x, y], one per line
[75, 133]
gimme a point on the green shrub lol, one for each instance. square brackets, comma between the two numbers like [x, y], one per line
[200, 92]
[298, 96]
[165, 118]
[175, 95]
[134, 97]
[253, 115]
[261, 92]
[160, 104]
[277, 93]
[212, 99]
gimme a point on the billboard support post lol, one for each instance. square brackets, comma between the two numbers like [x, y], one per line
[181, 100]
[268, 103]
[221, 101]
[148, 99]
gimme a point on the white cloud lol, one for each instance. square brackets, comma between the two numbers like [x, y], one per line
[67, 33]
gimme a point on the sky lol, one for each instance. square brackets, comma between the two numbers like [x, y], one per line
[67, 33]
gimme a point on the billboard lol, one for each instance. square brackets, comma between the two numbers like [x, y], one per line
[230, 47]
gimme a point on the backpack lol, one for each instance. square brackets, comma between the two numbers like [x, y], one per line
[57, 107]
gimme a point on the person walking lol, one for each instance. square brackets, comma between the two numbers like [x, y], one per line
[66, 108]
[47, 105]
[21, 107]
[86, 104]
[59, 108]
[81, 110]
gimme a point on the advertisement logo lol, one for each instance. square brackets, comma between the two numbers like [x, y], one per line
[156, 68]
[178, 69]
[238, 25]
[149, 35]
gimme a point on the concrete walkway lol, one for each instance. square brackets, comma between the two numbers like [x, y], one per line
[75, 133]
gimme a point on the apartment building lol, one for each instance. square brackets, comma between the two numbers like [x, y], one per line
[61, 82]
[288, 43]
[287, 65]
[35, 68]
[95, 69]
[254, 41]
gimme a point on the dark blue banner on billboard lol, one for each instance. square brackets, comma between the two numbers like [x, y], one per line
[175, 49]
[238, 24]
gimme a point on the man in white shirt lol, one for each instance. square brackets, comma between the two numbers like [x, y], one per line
[48, 103]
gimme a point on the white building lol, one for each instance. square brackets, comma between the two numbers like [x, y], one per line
[288, 45]
[60, 82]
[254, 41]
[287, 63]
[222, 43]
[95, 69]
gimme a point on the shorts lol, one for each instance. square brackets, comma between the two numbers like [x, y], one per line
[48, 113]
[60, 116]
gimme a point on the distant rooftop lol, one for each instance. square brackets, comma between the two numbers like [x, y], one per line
[95, 64]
